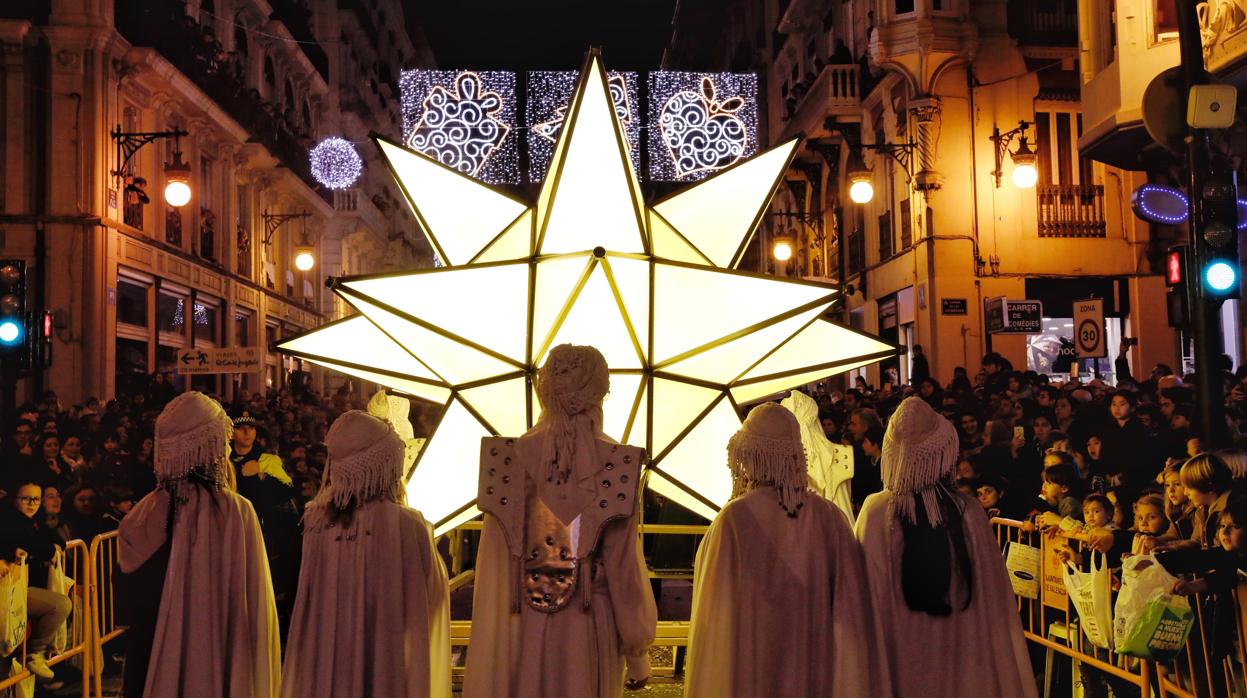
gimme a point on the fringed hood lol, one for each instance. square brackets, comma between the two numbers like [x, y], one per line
[571, 386]
[365, 463]
[919, 456]
[193, 433]
[767, 451]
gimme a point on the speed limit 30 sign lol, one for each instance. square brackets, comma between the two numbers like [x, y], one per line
[1089, 329]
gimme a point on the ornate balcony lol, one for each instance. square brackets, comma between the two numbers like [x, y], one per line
[1071, 211]
[833, 92]
[1044, 22]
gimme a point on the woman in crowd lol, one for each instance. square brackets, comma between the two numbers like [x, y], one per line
[934, 571]
[817, 636]
[371, 578]
[196, 546]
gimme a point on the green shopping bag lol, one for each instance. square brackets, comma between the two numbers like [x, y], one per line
[1161, 630]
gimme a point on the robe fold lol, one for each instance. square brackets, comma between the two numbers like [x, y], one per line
[979, 651]
[571, 653]
[780, 606]
[372, 616]
[216, 635]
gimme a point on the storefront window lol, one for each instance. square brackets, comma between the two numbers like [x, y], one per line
[131, 366]
[170, 313]
[242, 329]
[1053, 353]
[206, 322]
[131, 303]
[166, 362]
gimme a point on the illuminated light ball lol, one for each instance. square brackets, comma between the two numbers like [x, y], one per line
[177, 193]
[1025, 176]
[861, 192]
[336, 163]
[304, 259]
[1220, 276]
[10, 332]
[782, 250]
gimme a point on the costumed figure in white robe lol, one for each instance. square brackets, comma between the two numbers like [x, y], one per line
[780, 605]
[830, 466]
[561, 601]
[937, 578]
[372, 616]
[214, 634]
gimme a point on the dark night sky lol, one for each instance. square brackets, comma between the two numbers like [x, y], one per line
[543, 34]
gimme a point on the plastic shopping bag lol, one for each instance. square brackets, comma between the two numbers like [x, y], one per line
[1091, 594]
[60, 583]
[1150, 622]
[1022, 562]
[22, 689]
[13, 576]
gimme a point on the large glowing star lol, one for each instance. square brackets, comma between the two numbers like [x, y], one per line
[687, 337]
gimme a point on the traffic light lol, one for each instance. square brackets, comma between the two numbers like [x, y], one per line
[1218, 231]
[12, 309]
[1177, 300]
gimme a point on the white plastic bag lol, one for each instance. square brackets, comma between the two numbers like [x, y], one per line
[13, 576]
[1022, 562]
[22, 689]
[1144, 583]
[1091, 594]
[62, 584]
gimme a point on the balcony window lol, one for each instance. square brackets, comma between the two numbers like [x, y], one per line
[207, 322]
[886, 236]
[904, 6]
[242, 329]
[1164, 20]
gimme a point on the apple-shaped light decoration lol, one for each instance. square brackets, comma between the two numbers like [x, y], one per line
[336, 163]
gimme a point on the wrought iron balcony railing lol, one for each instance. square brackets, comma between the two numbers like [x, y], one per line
[1071, 210]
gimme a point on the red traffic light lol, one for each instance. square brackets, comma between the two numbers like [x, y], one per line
[1174, 266]
[47, 325]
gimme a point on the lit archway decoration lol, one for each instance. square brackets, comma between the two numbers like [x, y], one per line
[687, 336]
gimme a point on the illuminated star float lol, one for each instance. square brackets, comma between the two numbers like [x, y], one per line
[687, 337]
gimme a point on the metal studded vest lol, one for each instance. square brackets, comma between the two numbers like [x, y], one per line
[552, 558]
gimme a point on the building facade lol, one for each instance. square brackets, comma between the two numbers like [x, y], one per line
[133, 281]
[925, 99]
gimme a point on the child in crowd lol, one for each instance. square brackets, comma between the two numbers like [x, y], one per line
[969, 486]
[991, 492]
[1178, 507]
[1097, 512]
[1150, 522]
[1060, 491]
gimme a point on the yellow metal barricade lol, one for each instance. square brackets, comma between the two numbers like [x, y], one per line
[104, 626]
[78, 626]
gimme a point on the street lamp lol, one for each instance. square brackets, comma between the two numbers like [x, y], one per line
[1025, 175]
[177, 172]
[177, 181]
[304, 257]
[781, 250]
[861, 186]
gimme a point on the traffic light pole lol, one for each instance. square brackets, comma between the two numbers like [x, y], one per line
[1205, 312]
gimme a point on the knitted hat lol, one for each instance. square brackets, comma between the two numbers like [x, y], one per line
[365, 460]
[767, 451]
[571, 386]
[919, 454]
[192, 432]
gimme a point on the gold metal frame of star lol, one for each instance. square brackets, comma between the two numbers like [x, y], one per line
[687, 336]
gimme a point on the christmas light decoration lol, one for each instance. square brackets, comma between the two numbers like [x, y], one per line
[549, 93]
[335, 163]
[463, 119]
[1158, 203]
[700, 123]
[688, 338]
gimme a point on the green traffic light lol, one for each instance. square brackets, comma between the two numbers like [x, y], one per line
[1220, 276]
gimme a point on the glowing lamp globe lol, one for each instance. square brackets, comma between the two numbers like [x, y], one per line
[336, 163]
[861, 191]
[1025, 176]
[1220, 276]
[304, 258]
[782, 249]
[177, 182]
[10, 332]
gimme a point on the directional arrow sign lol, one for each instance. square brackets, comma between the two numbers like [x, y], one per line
[220, 360]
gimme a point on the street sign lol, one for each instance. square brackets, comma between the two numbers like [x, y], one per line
[219, 360]
[1013, 317]
[1089, 329]
[953, 306]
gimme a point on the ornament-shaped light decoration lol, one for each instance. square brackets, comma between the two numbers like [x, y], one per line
[336, 163]
[687, 337]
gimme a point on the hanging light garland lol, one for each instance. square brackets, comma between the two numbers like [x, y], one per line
[336, 163]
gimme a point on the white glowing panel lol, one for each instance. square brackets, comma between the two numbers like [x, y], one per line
[700, 123]
[437, 195]
[595, 203]
[619, 403]
[724, 363]
[550, 94]
[754, 391]
[806, 357]
[594, 319]
[501, 404]
[669, 244]
[478, 313]
[680, 403]
[464, 119]
[514, 243]
[720, 214]
[699, 461]
[454, 362]
[340, 339]
[425, 391]
[446, 474]
[557, 281]
[713, 304]
[631, 279]
[638, 433]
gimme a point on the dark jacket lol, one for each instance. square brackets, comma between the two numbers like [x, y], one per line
[19, 531]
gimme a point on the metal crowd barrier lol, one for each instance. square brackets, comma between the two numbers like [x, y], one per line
[104, 626]
[1049, 623]
[78, 625]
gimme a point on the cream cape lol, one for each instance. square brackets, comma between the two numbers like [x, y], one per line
[780, 606]
[572, 653]
[830, 466]
[216, 635]
[976, 652]
[372, 617]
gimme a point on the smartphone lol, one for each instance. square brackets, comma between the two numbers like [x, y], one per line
[1019, 432]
